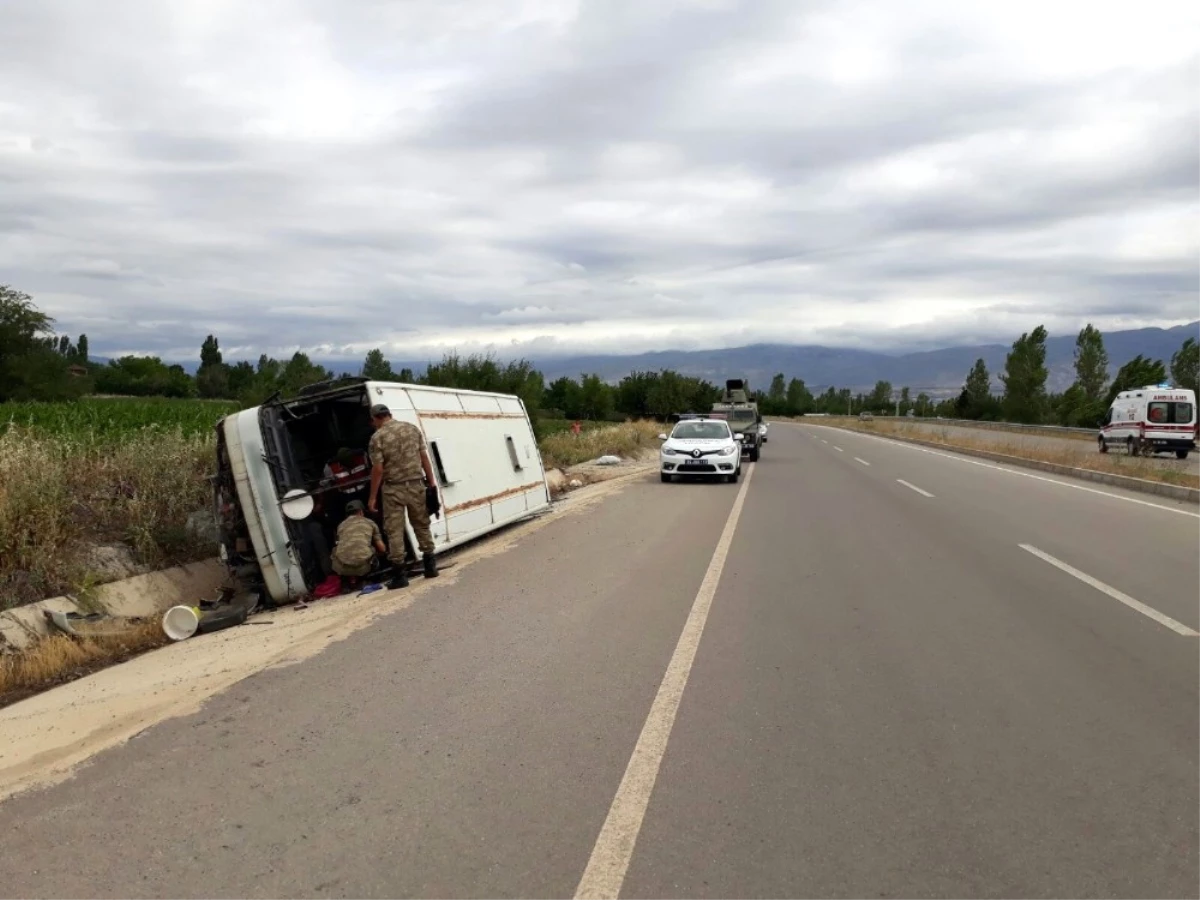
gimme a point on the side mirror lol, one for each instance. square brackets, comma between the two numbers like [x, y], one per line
[662, 437]
[739, 437]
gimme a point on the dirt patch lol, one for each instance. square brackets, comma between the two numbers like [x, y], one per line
[593, 472]
[569, 480]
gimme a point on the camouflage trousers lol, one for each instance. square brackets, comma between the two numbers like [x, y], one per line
[354, 567]
[399, 499]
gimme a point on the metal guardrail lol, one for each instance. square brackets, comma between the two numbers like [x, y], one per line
[1059, 430]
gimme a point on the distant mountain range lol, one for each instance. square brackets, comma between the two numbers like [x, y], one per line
[936, 372]
[933, 371]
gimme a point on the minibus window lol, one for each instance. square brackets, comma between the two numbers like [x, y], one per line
[437, 463]
[512, 453]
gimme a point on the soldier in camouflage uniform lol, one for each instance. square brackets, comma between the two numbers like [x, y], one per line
[358, 539]
[399, 461]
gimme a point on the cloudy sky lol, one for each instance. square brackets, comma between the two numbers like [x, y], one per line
[549, 177]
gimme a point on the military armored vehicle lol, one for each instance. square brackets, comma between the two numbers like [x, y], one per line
[737, 406]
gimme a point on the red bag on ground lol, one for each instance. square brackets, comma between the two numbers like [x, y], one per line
[330, 587]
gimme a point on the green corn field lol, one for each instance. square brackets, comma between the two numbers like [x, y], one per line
[102, 420]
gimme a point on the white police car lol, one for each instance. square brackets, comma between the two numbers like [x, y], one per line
[702, 447]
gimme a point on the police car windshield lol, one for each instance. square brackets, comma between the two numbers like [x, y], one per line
[700, 431]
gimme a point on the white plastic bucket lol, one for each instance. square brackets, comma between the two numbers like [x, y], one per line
[181, 622]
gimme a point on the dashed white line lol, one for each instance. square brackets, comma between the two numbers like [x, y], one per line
[838, 449]
[823, 441]
[913, 487]
[861, 460]
[1120, 597]
[606, 868]
[986, 465]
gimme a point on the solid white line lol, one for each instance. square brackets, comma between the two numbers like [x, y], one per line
[914, 488]
[861, 460]
[839, 449]
[1112, 592]
[605, 872]
[987, 465]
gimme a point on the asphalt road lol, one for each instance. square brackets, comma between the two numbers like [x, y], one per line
[999, 440]
[870, 687]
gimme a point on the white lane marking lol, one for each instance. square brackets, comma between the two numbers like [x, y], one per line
[838, 449]
[913, 487]
[605, 872]
[987, 465]
[1145, 610]
[861, 460]
[823, 441]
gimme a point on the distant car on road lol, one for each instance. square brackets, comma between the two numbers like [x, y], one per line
[703, 447]
[865, 416]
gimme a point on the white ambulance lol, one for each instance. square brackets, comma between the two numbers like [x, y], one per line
[1153, 419]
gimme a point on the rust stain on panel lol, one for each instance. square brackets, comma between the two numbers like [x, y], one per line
[470, 415]
[480, 501]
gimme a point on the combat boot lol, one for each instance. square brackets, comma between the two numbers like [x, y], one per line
[399, 580]
[430, 566]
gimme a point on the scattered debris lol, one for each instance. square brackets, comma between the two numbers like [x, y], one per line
[91, 625]
[224, 617]
[576, 483]
[609, 461]
[181, 622]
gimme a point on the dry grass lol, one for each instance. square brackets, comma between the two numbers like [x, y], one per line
[1032, 430]
[62, 494]
[1084, 457]
[60, 658]
[626, 440]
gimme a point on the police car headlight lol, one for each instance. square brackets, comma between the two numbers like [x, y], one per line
[729, 451]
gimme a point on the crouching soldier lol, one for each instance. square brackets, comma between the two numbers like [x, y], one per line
[358, 540]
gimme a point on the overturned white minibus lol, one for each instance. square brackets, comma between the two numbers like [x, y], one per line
[278, 508]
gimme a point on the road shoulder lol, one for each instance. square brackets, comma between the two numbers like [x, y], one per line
[48, 735]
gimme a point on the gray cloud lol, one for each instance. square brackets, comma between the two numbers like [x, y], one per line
[553, 177]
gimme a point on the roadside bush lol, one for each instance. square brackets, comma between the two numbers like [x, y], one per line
[60, 495]
[566, 449]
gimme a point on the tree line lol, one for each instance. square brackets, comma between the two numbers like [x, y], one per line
[37, 364]
[1024, 398]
